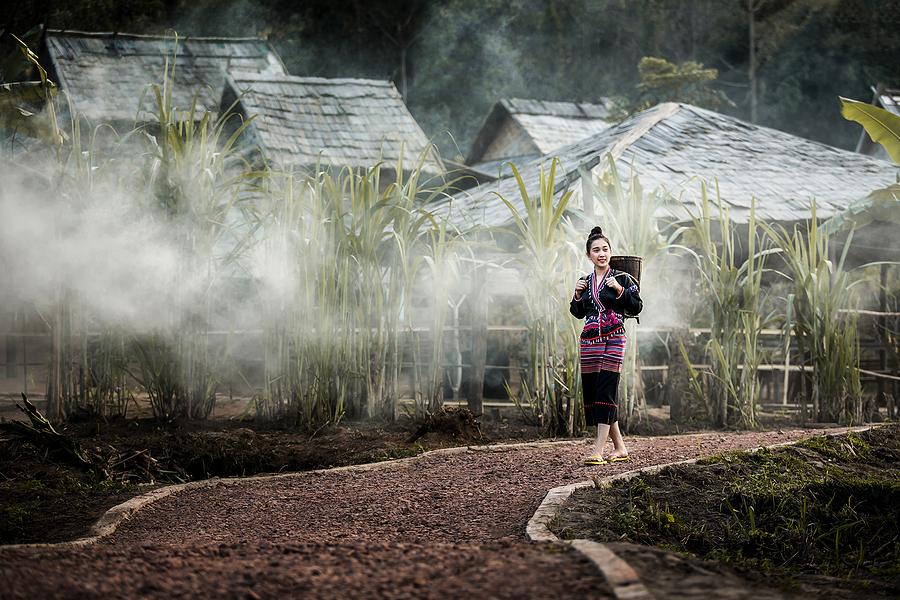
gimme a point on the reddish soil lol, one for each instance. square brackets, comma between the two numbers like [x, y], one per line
[439, 526]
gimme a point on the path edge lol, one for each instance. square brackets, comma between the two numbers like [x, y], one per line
[622, 578]
[110, 521]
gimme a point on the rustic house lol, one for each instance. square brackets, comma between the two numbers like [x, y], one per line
[305, 121]
[671, 145]
[105, 75]
[21, 120]
[520, 130]
[887, 98]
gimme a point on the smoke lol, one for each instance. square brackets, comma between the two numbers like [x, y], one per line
[106, 253]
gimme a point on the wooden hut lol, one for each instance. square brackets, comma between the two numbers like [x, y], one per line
[519, 130]
[672, 145]
[106, 75]
[299, 122]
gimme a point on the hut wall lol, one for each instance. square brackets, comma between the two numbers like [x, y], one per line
[511, 140]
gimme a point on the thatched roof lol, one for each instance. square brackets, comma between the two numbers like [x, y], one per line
[517, 128]
[887, 98]
[105, 74]
[671, 144]
[302, 121]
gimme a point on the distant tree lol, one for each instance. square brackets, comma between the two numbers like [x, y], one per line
[400, 22]
[663, 81]
[770, 24]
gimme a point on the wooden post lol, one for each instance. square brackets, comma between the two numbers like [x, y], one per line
[479, 315]
[883, 322]
[787, 369]
[11, 357]
[25, 365]
[55, 369]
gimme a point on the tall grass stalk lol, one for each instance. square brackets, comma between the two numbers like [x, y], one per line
[827, 335]
[731, 289]
[546, 263]
[348, 253]
[59, 381]
[194, 188]
[304, 298]
[81, 375]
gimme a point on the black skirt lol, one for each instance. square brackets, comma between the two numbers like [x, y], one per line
[601, 390]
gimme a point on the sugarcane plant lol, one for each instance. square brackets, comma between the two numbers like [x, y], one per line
[193, 186]
[343, 252]
[545, 260]
[825, 329]
[78, 176]
[47, 129]
[306, 310]
[731, 277]
[421, 261]
[442, 266]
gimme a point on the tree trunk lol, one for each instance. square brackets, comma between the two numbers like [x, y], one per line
[403, 86]
[752, 6]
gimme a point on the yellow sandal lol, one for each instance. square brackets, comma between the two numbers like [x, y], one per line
[595, 460]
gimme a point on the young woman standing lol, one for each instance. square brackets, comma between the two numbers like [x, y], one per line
[602, 298]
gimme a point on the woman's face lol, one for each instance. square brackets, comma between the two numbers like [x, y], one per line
[600, 253]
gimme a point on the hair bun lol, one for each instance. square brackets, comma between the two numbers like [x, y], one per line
[597, 231]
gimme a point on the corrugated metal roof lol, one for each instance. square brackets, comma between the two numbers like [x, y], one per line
[300, 121]
[105, 74]
[890, 100]
[672, 145]
[549, 125]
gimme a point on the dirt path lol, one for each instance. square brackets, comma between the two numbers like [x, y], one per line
[440, 526]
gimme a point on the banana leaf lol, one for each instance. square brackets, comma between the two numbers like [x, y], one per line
[882, 126]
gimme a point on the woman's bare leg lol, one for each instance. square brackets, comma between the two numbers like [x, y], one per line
[618, 442]
[600, 443]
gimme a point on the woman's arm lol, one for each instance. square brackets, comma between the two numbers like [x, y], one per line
[576, 306]
[629, 300]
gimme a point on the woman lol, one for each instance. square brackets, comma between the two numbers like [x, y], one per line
[602, 299]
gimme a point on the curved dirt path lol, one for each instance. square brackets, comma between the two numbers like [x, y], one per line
[436, 527]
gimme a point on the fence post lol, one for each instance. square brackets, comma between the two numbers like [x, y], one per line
[883, 323]
[12, 362]
[479, 316]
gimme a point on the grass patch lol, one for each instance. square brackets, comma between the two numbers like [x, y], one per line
[827, 506]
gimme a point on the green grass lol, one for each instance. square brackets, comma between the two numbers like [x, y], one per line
[827, 506]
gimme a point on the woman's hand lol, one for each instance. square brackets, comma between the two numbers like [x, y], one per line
[580, 286]
[615, 286]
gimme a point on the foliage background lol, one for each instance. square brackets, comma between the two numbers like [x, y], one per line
[454, 58]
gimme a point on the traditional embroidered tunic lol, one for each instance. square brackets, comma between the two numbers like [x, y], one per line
[603, 341]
